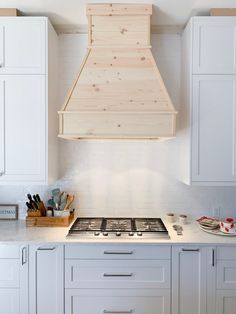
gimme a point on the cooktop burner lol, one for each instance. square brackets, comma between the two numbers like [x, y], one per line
[119, 227]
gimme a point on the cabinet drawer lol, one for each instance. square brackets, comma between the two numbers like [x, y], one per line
[117, 301]
[9, 273]
[9, 251]
[226, 253]
[117, 251]
[226, 274]
[9, 301]
[117, 274]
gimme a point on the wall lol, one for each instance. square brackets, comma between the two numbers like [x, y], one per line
[126, 178]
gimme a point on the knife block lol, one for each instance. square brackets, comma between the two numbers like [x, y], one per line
[35, 213]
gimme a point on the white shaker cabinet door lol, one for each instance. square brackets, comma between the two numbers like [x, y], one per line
[214, 129]
[23, 129]
[225, 302]
[193, 283]
[46, 279]
[22, 45]
[1, 46]
[214, 45]
[2, 127]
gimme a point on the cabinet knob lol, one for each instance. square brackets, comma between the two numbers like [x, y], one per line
[2, 173]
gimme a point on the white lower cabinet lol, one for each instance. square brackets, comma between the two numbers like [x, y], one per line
[226, 280]
[116, 279]
[193, 280]
[13, 279]
[46, 284]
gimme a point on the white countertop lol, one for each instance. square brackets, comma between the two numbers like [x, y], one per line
[16, 231]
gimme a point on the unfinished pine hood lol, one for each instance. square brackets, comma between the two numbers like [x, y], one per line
[119, 92]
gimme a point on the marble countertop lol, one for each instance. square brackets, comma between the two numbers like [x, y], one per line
[16, 231]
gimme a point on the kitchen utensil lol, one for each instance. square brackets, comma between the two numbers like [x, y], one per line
[63, 200]
[29, 197]
[30, 207]
[38, 198]
[35, 198]
[34, 204]
[56, 195]
[69, 201]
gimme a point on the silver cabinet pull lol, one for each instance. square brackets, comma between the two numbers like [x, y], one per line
[46, 248]
[118, 252]
[117, 312]
[2, 173]
[24, 256]
[213, 258]
[117, 275]
[190, 250]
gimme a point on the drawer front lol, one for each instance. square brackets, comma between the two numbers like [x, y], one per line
[226, 253]
[9, 273]
[226, 274]
[117, 251]
[117, 302]
[9, 301]
[9, 251]
[117, 274]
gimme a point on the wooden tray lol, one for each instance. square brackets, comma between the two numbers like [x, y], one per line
[49, 221]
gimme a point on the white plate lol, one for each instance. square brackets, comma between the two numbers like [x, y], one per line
[209, 227]
[218, 232]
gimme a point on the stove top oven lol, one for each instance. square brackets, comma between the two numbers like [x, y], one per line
[131, 228]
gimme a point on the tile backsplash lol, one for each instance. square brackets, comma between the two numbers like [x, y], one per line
[125, 178]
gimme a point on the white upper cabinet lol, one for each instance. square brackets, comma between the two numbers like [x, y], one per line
[208, 118]
[214, 45]
[22, 45]
[24, 148]
[28, 101]
[214, 128]
[2, 127]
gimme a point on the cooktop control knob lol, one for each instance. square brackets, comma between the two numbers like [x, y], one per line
[118, 233]
[139, 233]
[96, 233]
[105, 234]
[131, 234]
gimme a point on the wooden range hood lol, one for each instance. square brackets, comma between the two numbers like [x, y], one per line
[119, 92]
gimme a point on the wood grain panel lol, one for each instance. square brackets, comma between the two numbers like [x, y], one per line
[113, 125]
[117, 23]
[119, 9]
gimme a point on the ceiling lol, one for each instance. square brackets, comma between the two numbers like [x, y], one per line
[72, 12]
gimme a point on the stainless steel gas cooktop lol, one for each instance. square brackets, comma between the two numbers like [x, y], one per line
[118, 228]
